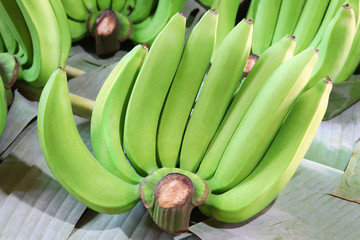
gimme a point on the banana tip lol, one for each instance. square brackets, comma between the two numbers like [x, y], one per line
[144, 45]
[213, 11]
[327, 80]
[250, 20]
[347, 6]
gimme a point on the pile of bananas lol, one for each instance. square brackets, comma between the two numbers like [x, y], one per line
[332, 26]
[164, 113]
[114, 21]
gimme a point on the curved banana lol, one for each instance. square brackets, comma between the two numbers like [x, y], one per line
[7, 36]
[164, 11]
[279, 163]
[149, 93]
[268, 62]
[19, 30]
[118, 5]
[189, 75]
[75, 9]
[90, 5]
[216, 94]
[142, 10]
[335, 45]
[289, 14]
[352, 60]
[78, 30]
[46, 40]
[3, 106]
[309, 23]
[107, 120]
[262, 120]
[264, 24]
[64, 28]
[104, 4]
[227, 11]
[69, 159]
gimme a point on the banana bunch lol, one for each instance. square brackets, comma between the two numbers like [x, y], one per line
[34, 40]
[173, 130]
[332, 26]
[114, 21]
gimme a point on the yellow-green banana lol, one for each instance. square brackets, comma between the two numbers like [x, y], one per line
[264, 24]
[78, 30]
[149, 93]
[46, 40]
[154, 23]
[107, 120]
[3, 106]
[104, 4]
[289, 14]
[216, 94]
[335, 45]
[189, 75]
[262, 120]
[309, 23]
[268, 62]
[142, 9]
[69, 159]
[118, 5]
[279, 163]
[90, 5]
[75, 9]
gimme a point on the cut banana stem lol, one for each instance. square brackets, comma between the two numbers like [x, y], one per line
[278, 165]
[335, 45]
[268, 62]
[216, 94]
[189, 75]
[70, 161]
[262, 120]
[149, 93]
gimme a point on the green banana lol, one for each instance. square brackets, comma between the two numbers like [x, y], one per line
[164, 11]
[108, 115]
[2, 45]
[264, 24]
[17, 25]
[262, 120]
[3, 107]
[46, 40]
[340, 33]
[216, 94]
[118, 5]
[251, 12]
[227, 10]
[76, 10]
[90, 5]
[279, 163]
[268, 62]
[309, 23]
[64, 28]
[289, 14]
[70, 161]
[7, 36]
[352, 60]
[149, 93]
[206, 3]
[142, 10]
[78, 30]
[189, 75]
[104, 4]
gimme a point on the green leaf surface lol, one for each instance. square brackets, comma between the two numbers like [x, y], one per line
[342, 96]
[304, 210]
[349, 186]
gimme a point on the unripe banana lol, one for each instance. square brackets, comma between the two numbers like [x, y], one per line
[90, 5]
[216, 94]
[76, 10]
[142, 9]
[279, 163]
[104, 4]
[189, 75]
[335, 45]
[268, 62]
[262, 120]
[70, 160]
[264, 24]
[3, 106]
[78, 30]
[309, 23]
[251, 12]
[118, 5]
[149, 93]
[289, 14]
[107, 120]
[352, 60]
